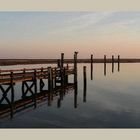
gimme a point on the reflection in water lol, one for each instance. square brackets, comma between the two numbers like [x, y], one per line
[96, 112]
[27, 102]
[75, 94]
[91, 74]
[104, 69]
[85, 84]
[118, 66]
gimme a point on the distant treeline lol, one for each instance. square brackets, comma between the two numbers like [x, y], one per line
[4, 62]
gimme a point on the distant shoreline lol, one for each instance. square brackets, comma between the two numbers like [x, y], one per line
[6, 62]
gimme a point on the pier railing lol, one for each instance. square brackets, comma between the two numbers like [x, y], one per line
[19, 75]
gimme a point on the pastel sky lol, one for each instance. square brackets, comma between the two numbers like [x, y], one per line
[47, 34]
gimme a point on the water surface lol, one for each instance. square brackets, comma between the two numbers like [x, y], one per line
[112, 101]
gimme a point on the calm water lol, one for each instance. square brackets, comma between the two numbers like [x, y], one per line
[112, 101]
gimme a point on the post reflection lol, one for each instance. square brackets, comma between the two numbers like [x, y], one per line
[75, 95]
[84, 84]
[91, 74]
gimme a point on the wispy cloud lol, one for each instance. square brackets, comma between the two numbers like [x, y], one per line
[99, 20]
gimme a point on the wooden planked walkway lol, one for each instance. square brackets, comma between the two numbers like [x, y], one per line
[19, 75]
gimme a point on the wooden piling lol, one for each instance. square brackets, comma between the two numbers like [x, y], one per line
[105, 65]
[12, 96]
[35, 87]
[75, 67]
[50, 86]
[112, 63]
[91, 58]
[91, 67]
[85, 83]
[118, 62]
[58, 63]
[62, 60]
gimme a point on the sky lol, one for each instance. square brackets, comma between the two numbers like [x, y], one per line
[47, 34]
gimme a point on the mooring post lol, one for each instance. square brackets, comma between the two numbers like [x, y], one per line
[62, 76]
[85, 83]
[112, 63]
[118, 62]
[91, 66]
[75, 67]
[91, 58]
[62, 60]
[58, 63]
[75, 79]
[105, 65]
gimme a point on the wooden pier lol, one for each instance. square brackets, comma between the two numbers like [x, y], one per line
[55, 76]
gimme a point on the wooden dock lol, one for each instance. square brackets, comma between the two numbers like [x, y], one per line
[55, 76]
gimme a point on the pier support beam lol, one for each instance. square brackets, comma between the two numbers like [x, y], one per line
[10, 88]
[50, 86]
[30, 88]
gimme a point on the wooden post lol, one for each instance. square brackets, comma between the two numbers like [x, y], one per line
[35, 87]
[85, 83]
[23, 84]
[75, 67]
[91, 66]
[58, 63]
[118, 62]
[55, 77]
[91, 58]
[66, 75]
[105, 65]
[12, 95]
[41, 81]
[49, 79]
[112, 63]
[62, 60]
[50, 87]
[75, 79]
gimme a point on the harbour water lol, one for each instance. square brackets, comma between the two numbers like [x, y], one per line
[110, 101]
